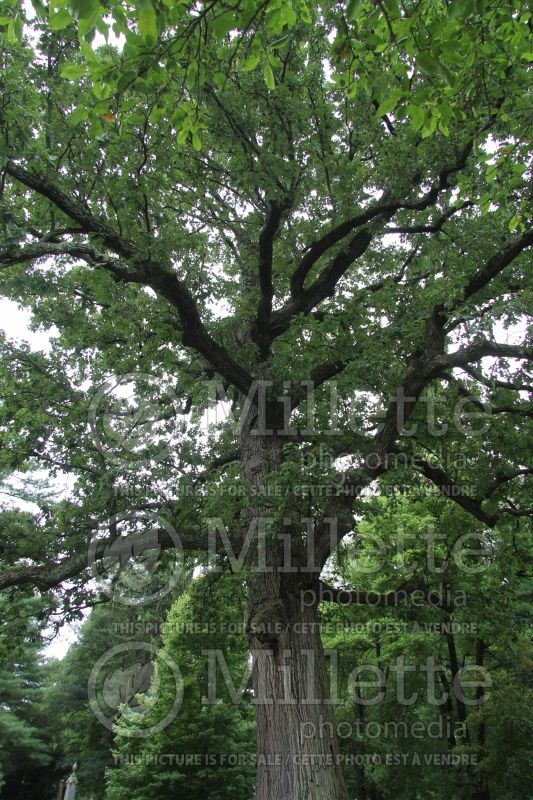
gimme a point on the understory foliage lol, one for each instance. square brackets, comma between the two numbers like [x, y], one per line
[25, 746]
[150, 768]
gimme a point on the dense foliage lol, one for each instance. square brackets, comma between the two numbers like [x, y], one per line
[25, 746]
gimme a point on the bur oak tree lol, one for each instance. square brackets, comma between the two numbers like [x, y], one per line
[317, 212]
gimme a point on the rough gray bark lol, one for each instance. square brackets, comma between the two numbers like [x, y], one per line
[289, 671]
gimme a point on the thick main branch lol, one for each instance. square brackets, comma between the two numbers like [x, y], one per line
[142, 270]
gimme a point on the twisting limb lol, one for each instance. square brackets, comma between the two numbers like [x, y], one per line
[448, 488]
[497, 263]
[323, 286]
[142, 270]
[261, 333]
[502, 479]
[493, 383]
[484, 347]
[434, 227]
[53, 573]
[386, 207]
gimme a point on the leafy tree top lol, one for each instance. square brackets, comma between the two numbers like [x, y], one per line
[273, 192]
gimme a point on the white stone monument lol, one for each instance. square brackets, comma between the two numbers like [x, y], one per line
[72, 782]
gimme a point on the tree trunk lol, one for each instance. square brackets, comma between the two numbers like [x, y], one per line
[298, 754]
[297, 746]
[454, 667]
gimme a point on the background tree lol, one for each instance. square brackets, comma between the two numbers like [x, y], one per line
[79, 736]
[25, 744]
[220, 734]
[474, 619]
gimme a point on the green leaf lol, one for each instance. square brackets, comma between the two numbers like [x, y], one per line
[147, 20]
[445, 73]
[95, 128]
[219, 79]
[196, 142]
[72, 71]
[274, 21]
[18, 28]
[60, 20]
[40, 11]
[484, 202]
[184, 132]
[491, 173]
[288, 15]
[443, 128]
[354, 10]
[251, 62]
[417, 115]
[192, 74]
[223, 24]
[10, 33]
[429, 125]
[157, 113]
[352, 90]
[460, 8]
[428, 63]
[304, 13]
[422, 95]
[393, 7]
[126, 80]
[389, 104]
[269, 76]
[80, 115]
[84, 9]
